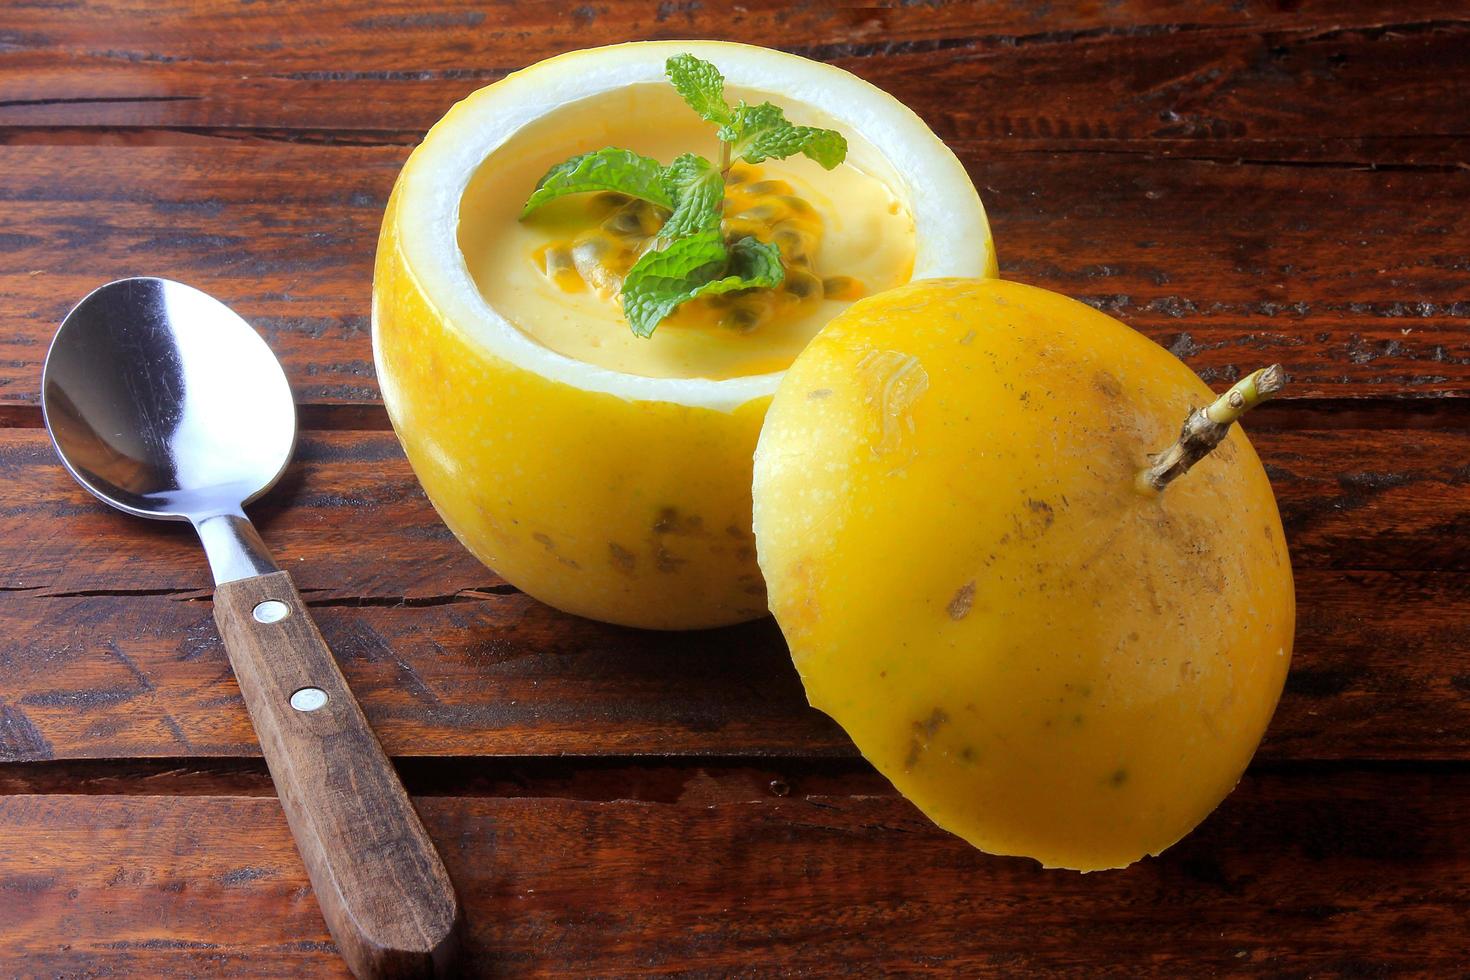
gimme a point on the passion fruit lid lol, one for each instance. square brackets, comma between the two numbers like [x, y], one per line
[1043, 657]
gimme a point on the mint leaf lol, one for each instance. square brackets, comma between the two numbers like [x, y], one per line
[698, 193]
[755, 262]
[700, 85]
[762, 132]
[698, 265]
[826, 146]
[659, 281]
[749, 121]
[608, 169]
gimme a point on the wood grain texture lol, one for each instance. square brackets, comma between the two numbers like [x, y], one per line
[1353, 278]
[1243, 182]
[349, 521]
[381, 886]
[1251, 71]
[448, 659]
[1381, 671]
[1337, 873]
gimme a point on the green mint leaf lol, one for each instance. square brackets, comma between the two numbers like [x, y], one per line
[660, 280]
[699, 84]
[698, 192]
[698, 265]
[751, 120]
[826, 146]
[608, 169]
[762, 132]
[756, 263]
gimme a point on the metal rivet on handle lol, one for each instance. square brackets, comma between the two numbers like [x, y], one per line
[271, 611]
[308, 699]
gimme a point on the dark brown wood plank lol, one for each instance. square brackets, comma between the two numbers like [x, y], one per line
[109, 650]
[1253, 71]
[661, 780]
[350, 522]
[1341, 873]
[1354, 278]
[1381, 671]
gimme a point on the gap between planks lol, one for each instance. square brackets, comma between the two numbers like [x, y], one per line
[690, 780]
[1445, 152]
[1280, 416]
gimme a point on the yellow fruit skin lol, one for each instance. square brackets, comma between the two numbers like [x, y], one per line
[1045, 660]
[632, 512]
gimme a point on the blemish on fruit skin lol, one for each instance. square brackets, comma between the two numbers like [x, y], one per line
[1043, 510]
[545, 541]
[1119, 777]
[622, 559]
[670, 522]
[816, 394]
[924, 732]
[930, 726]
[667, 562]
[964, 598]
[912, 759]
[1107, 385]
[968, 339]
[895, 382]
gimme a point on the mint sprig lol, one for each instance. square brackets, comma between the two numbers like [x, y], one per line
[761, 132]
[698, 265]
[698, 192]
[700, 85]
[690, 257]
[608, 169]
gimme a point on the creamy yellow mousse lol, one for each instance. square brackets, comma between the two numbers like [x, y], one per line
[556, 275]
[605, 474]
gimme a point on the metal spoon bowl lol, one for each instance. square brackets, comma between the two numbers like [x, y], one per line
[165, 404]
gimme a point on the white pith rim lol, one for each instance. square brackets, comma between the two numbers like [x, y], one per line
[949, 220]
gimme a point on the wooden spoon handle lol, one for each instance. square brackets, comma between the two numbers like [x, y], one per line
[381, 886]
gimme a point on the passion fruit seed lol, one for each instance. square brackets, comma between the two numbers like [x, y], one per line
[609, 200]
[748, 311]
[841, 287]
[600, 262]
[621, 229]
[623, 223]
[801, 283]
[764, 213]
[793, 244]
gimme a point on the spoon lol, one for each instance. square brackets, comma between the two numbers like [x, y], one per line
[164, 403]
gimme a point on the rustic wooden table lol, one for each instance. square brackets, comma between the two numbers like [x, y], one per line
[1243, 183]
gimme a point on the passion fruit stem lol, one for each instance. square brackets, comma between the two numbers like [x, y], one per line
[1205, 428]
